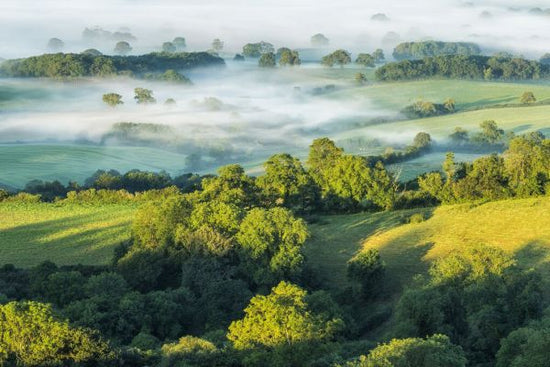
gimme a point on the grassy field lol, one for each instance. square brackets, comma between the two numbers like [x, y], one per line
[68, 234]
[24, 162]
[519, 227]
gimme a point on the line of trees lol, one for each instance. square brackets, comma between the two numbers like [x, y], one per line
[420, 50]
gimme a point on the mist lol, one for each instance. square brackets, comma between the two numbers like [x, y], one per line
[26, 25]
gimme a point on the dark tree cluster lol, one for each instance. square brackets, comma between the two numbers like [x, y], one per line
[420, 50]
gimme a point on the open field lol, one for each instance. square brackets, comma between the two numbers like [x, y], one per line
[24, 162]
[67, 234]
[519, 227]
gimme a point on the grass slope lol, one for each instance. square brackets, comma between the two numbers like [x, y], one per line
[68, 234]
[520, 227]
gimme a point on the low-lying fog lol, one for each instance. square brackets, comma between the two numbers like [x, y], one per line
[519, 26]
[245, 108]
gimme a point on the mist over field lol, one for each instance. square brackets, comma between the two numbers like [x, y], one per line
[26, 26]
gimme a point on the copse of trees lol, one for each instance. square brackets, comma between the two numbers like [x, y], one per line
[338, 57]
[464, 67]
[78, 65]
[112, 99]
[288, 57]
[144, 96]
[267, 60]
[523, 170]
[256, 50]
[423, 108]
[367, 60]
[420, 50]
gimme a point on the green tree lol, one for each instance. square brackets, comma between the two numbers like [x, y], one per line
[287, 183]
[267, 60]
[180, 43]
[144, 96]
[422, 140]
[288, 57]
[168, 47]
[490, 132]
[32, 335]
[526, 346]
[434, 351]
[360, 78]
[339, 57]
[367, 269]
[367, 60]
[527, 98]
[256, 50]
[112, 99]
[122, 48]
[378, 55]
[459, 136]
[271, 242]
[283, 325]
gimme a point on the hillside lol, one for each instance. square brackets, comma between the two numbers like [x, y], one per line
[68, 234]
[520, 227]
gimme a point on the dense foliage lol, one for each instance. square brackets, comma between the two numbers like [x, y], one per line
[420, 50]
[464, 67]
[61, 65]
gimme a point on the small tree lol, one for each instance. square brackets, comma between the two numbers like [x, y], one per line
[168, 47]
[422, 140]
[179, 42]
[459, 136]
[112, 99]
[55, 44]
[217, 45]
[528, 98]
[319, 40]
[288, 57]
[122, 48]
[368, 270]
[360, 78]
[144, 96]
[366, 60]
[378, 56]
[267, 60]
[449, 104]
[340, 57]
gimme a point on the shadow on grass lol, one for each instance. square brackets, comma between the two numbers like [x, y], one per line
[31, 244]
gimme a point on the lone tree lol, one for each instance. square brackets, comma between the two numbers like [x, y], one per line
[288, 57]
[366, 60]
[122, 48]
[180, 44]
[528, 98]
[257, 49]
[112, 99]
[319, 40]
[217, 45]
[267, 60]
[144, 96]
[360, 78]
[340, 57]
[168, 47]
[55, 44]
[378, 56]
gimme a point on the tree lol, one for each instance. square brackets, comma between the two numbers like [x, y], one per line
[92, 52]
[288, 57]
[459, 136]
[217, 45]
[271, 243]
[144, 96]
[256, 50]
[267, 60]
[527, 98]
[180, 44]
[378, 56]
[287, 183]
[360, 78]
[449, 104]
[283, 325]
[490, 133]
[323, 154]
[526, 346]
[319, 40]
[31, 334]
[434, 351]
[122, 48]
[55, 45]
[340, 57]
[367, 269]
[366, 60]
[168, 47]
[112, 99]
[422, 140]
[545, 59]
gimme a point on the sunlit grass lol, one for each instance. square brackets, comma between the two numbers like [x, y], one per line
[68, 234]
